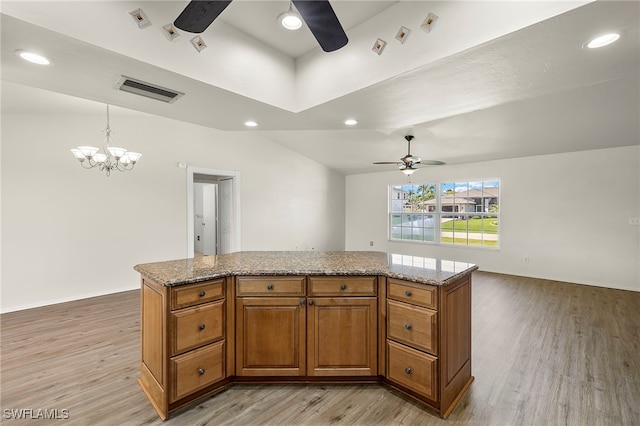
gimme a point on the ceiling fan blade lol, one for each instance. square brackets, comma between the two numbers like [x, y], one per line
[323, 23]
[430, 163]
[386, 162]
[198, 15]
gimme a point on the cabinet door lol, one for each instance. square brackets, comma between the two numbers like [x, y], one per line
[270, 335]
[342, 336]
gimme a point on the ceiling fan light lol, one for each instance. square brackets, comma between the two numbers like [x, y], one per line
[290, 20]
[407, 170]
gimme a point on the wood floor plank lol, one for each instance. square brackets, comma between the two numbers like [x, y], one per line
[544, 353]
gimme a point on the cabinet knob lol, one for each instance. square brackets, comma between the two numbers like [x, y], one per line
[407, 370]
[269, 286]
[302, 302]
[202, 293]
[343, 287]
[407, 293]
[407, 326]
[201, 371]
[201, 326]
[310, 302]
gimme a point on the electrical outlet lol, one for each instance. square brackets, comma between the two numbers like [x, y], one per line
[371, 243]
[525, 259]
[634, 221]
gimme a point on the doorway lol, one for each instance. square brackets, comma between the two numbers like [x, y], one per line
[213, 211]
[205, 222]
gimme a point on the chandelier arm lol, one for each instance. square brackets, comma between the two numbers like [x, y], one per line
[91, 163]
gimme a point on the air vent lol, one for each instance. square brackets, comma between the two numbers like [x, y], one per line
[149, 90]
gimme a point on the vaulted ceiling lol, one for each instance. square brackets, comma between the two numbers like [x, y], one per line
[490, 80]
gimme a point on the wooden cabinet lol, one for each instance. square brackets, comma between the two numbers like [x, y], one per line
[271, 286]
[413, 326]
[196, 369]
[271, 336]
[413, 369]
[342, 336]
[270, 328]
[196, 326]
[313, 334]
[184, 345]
[199, 338]
[428, 346]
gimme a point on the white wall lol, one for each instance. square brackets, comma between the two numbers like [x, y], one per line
[69, 233]
[569, 213]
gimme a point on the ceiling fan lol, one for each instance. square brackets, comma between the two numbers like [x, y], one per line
[317, 14]
[408, 162]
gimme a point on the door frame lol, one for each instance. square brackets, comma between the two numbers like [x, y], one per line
[235, 177]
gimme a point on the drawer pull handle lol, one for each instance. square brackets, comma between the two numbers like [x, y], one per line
[407, 326]
[201, 326]
[343, 287]
[201, 371]
[270, 287]
[407, 293]
[310, 302]
[407, 370]
[202, 293]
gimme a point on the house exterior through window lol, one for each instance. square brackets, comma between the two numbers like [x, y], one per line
[458, 213]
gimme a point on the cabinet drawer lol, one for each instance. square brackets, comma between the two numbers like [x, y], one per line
[271, 286]
[196, 369]
[196, 294]
[342, 286]
[417, 294]
[412, 369]
[197, 326]
[417, 327]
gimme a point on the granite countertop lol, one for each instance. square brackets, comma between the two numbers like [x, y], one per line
[412, 268]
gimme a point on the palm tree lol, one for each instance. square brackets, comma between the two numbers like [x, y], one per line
[426, 192]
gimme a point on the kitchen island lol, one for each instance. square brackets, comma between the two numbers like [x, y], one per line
[303, 317]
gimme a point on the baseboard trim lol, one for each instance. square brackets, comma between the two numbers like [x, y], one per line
[66, 299]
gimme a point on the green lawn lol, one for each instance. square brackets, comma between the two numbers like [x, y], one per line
[487, 225]
[463, 241]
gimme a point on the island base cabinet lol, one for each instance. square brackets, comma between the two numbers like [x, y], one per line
[429, 341]
[342, 336]
[183, 342]
[270, 336]
[199, 338]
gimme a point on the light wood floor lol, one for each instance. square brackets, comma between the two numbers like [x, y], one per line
[544, 353]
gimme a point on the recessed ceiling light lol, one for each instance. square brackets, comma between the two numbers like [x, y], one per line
[250, 123]
[350, 122]
[603, 40]
[34, 58]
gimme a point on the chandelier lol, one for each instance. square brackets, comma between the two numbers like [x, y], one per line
[111, 158]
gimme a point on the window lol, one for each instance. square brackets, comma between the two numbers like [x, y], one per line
[413, 212]
[457, 213]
